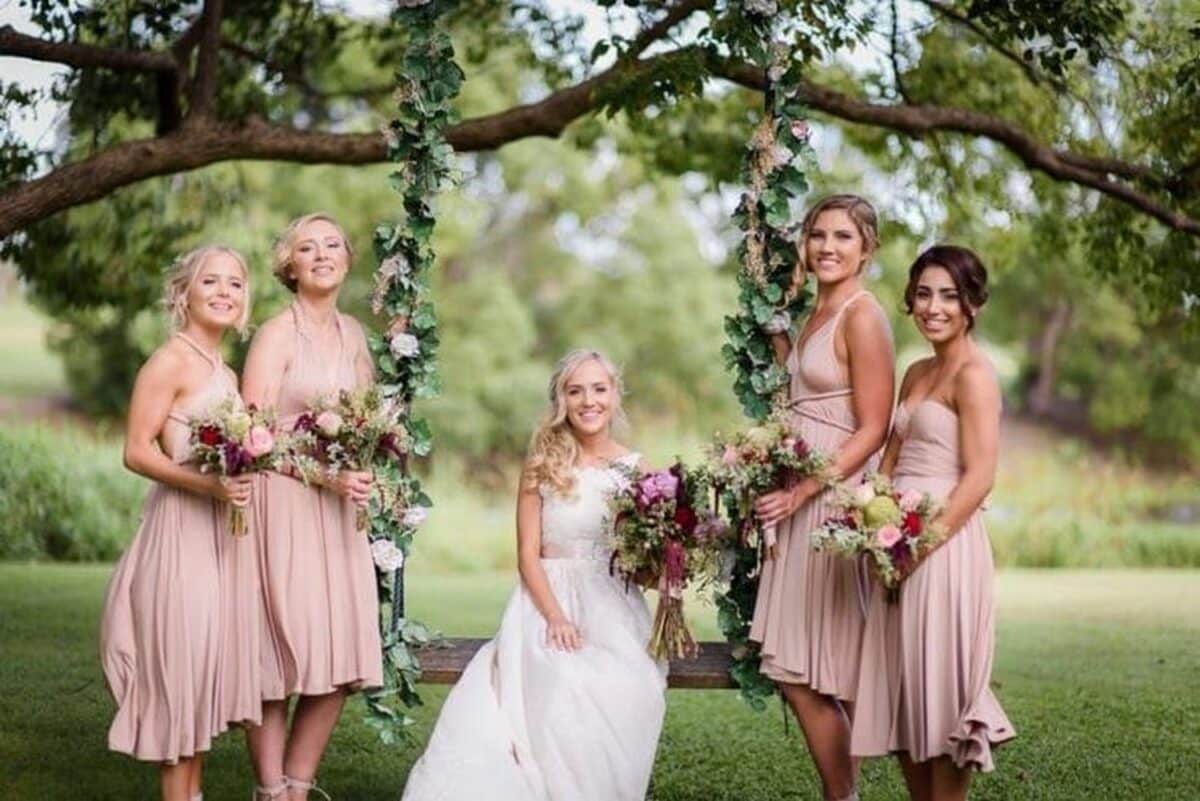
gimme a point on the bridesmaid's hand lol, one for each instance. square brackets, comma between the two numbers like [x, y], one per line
[774, 507]
[562, 635]
[353, 485]
[233, 489]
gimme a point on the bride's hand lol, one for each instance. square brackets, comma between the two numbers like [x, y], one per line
[562, 635]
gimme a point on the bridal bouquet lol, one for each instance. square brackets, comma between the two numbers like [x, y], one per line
[353, 430]
[661, 528]
[229, 440]
[761, 459]
[877, 519]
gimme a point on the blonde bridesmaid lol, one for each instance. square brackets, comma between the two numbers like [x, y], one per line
[927, 659]
[179, 634]
[321, 637]
[808, 615]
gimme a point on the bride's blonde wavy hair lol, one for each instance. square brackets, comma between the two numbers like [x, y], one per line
[553, 448]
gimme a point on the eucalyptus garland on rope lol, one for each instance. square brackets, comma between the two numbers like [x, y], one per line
[774, 175]
[405, 357]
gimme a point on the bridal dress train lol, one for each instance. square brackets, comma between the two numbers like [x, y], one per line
[530, 723]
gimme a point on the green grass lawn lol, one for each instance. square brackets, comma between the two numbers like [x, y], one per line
[1097, 669]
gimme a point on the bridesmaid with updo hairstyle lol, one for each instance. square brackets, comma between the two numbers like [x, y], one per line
[321, 637]
[180, 629]
[923, 688]
[808, 614]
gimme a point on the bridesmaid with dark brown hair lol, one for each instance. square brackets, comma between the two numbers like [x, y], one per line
[809, 613]
[923, 690]
[321, 611]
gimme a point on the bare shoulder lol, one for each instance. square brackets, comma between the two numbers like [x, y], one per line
[277, 335]
[976, 383]
[353, 325]
[278, 327]
[916, 370]
[865, 320]
[168, 366]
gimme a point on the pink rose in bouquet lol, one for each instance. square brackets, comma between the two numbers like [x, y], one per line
[354, 430]
[876, 519]
[761, 459]
[259, 441]
[230, 440]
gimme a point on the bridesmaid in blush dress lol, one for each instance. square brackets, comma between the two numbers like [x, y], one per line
[808, 615]
[321, 633]
[179, 633]
[923, 690]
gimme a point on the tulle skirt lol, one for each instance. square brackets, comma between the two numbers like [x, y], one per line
[529, 722]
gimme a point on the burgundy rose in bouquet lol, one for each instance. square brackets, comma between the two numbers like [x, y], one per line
[354, 430]
[877, 519]
[232, 441]
[663, 529]
[761, 459]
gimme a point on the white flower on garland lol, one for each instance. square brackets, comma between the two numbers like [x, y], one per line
[389, 133]
[389, 269]
[393, 266]
[780, 156]
[779, 323]
[387, 556]
[763, 8]
[404, 346]
[415, 516]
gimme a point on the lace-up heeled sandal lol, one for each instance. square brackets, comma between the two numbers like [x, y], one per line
[276, 793]
[307, 786]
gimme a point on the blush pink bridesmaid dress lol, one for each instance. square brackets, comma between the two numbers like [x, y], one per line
[179, 635]
[321, 614]
[808, 615]
[927, 659]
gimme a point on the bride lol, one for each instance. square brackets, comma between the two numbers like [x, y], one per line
[564, 703]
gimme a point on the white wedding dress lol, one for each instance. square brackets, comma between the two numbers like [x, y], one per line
[530, 723]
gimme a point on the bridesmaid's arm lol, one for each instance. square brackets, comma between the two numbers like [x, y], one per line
[364, 366]
[782, 345]
[270, 355]
[158, 384]
[872, 364]
[977, 396]
[560, 632]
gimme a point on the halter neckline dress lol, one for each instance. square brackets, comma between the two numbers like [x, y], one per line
[180, 628]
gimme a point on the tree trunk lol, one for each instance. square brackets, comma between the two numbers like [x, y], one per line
[1044, 350]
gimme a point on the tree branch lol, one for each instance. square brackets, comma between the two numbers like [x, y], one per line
[202, 144]
[204, 85]
[919, 120]
[82, 56]
[893, 49]
[678, 13]
[1035, 77]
